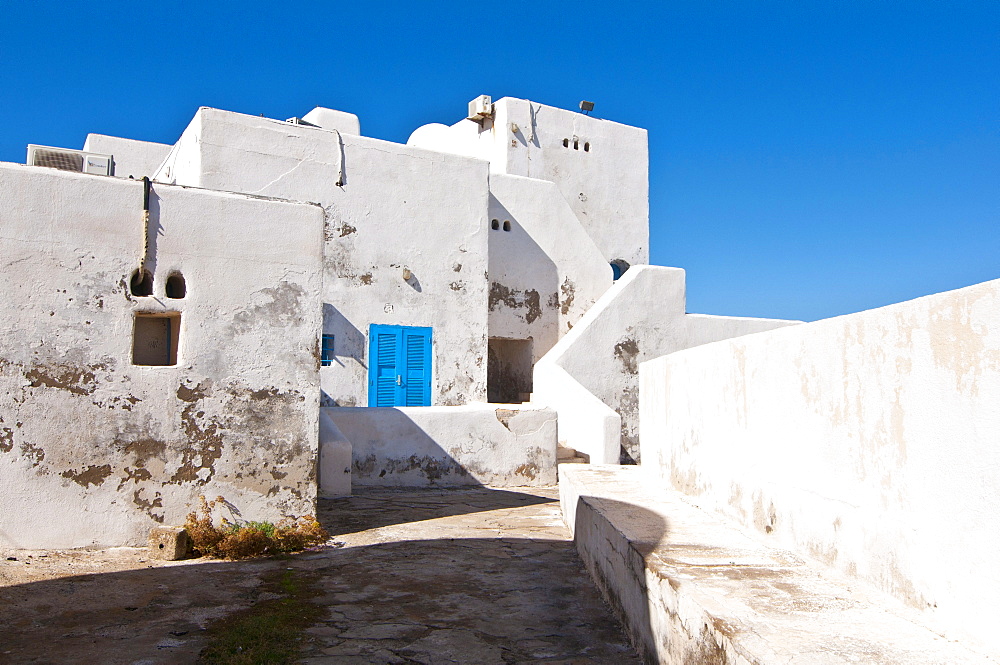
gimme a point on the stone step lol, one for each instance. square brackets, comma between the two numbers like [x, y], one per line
[567, 455]
[691, 588]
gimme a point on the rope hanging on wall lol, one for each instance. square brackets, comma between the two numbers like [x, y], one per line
[146, 186]
[340, 159]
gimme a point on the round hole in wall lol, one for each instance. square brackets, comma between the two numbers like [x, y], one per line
[618, 268]
[495, 224]
[586, 146]
[176, 288]
[161, 546]
[565, 143]
[506, 225]
[141, 283]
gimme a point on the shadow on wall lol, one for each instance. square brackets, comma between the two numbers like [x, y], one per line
[449, 446]
[469, 600]
[349, 344]
[350, 341]
[619, 574]
[524, 283]
[391, 449]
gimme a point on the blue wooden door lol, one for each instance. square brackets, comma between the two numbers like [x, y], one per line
[399, 366]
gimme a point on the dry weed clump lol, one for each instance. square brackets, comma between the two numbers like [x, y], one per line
[243, 540]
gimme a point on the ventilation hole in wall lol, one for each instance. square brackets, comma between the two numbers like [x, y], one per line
[176, 288]
[506, 225]
[154, 339]
[586, 146]
[565, 143]
[495, 224]
[618, 268]
[142, 283]
[576, 144]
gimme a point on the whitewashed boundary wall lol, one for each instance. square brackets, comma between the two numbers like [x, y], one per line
[868, 441]
[132, 158]
[641, 317]
[600, 167]
[389, 208]
[94, 449]
[445, 446]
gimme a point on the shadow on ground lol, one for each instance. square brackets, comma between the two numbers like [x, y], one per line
[375, 508]
[443, 576]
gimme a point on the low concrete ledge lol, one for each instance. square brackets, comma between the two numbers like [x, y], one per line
[691, 589]
[501, 445]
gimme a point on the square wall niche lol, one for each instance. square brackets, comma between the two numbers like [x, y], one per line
[155, 339]
[508, 370]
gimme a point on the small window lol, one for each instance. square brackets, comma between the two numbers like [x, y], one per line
[326, 351]
[586, 146]
[154, 339]
[142, 283]
[176, 288]
[565, 143]
[576, 144]
[495, 224]
[506, 225]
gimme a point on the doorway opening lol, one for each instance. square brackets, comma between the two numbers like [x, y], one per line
[508, 370]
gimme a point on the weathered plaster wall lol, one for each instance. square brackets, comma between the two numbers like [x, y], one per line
[868, 441]
[396, 207]
[131, 158]
[545, 272]
[334, 459]
[600, 167]
[641, 317]
[475, 444]
[95, 450]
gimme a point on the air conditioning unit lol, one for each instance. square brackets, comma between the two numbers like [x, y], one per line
[300, 121]
[70, 160]
[480, 108]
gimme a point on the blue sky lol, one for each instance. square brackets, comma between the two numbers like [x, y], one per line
[807, 159]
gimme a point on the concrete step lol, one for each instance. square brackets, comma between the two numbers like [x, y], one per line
[567, 455]
[691, 588]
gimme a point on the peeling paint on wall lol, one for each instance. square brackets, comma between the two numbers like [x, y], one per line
[102, 449]
[527, 303]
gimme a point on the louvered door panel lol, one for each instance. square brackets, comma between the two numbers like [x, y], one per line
[417, 376]
[384, 363]
[399, 366]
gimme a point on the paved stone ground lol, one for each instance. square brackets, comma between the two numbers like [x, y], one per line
[460, 576]
[474, 576]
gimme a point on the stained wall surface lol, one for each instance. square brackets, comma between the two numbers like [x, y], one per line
[94, 449]
[388, 208]
[867, 441]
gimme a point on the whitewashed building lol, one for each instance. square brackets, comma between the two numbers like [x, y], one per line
[268, 309]
[271, 310]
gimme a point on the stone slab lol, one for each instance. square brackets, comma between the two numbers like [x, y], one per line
[169, 543]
